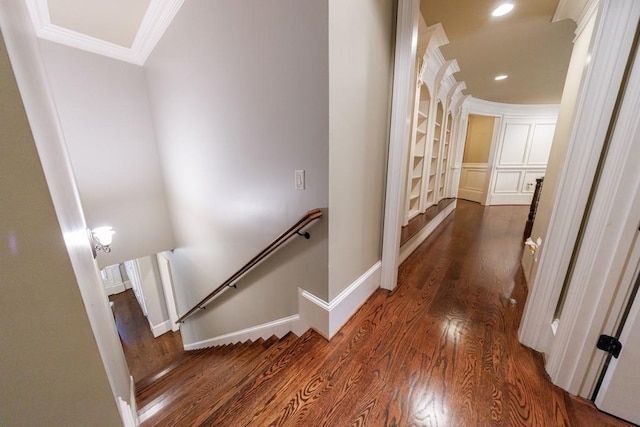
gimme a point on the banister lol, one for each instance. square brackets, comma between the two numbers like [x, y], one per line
[305, 220]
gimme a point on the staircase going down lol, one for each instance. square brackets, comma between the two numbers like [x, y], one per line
[212, 383]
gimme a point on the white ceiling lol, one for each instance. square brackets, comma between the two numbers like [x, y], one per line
[525, 44]
[127, 30]
[101, 19]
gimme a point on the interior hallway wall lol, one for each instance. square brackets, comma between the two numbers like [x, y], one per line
[361, 37]
[104, 111]
[239, 98]
[52, 372]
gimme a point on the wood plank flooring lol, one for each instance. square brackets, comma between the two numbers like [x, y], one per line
[145, 354]
[441, 350]
[420, 221]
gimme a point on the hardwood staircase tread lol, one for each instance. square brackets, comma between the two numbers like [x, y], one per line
[219, 382]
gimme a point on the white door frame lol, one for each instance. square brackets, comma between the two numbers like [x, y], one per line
[401, 106]
[166, 278]
[613, 34]
[596, 292]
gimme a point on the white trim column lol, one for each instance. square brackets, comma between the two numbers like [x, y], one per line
[403, 82]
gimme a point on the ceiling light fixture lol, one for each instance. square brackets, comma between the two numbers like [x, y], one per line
[503, 9]
[500, 77]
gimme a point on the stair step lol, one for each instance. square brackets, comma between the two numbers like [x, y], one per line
[256, 391]
[215, 375]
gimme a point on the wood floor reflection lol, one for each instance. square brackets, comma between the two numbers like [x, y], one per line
[441, 350]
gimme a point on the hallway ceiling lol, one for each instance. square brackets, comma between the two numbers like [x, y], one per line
[533, 51]
[524, 44]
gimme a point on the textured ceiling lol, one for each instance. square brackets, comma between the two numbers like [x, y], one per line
[524, 44]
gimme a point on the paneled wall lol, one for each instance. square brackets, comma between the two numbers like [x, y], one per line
[520, 156]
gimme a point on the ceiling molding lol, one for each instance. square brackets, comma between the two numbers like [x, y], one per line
[156, 20]
[489, 108]
[580, 11]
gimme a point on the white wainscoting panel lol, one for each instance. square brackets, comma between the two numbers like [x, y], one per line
[514, 143]
[507, 182]
[541, 144]
[522, 149]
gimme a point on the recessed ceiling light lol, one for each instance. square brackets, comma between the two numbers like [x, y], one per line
[503, 9]
[500, 77]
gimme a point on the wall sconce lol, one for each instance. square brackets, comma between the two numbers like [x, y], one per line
[101, 238]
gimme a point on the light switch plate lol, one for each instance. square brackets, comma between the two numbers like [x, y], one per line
[299, 179]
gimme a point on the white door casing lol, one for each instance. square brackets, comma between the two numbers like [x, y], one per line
[610, 44]
[401, 103]
[620, 387]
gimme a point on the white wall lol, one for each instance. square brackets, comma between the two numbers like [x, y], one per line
[521, 155]
[52, 370]
[239, 98]
[360, 72]
[150, 288]
[104, 112]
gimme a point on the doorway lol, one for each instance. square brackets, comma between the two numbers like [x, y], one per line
[475, 159]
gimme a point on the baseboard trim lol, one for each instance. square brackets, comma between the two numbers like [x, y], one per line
[279, 328]
[328, 318]
[510, 199]
[325, 318]
[115, 289]
[413, 243]
[160, 328]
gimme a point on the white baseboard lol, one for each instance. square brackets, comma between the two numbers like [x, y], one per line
[413, 243]
[127, 284]
[115, 289]
[279, 328]
[161, 328]
[128, 411]
[328, 318]
[470, 194]
[510, 199]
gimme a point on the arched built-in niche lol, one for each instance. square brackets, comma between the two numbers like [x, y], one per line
[418, 152]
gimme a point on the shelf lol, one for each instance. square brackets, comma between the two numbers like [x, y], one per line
[420, 131]
[422, 115]
[416, 177]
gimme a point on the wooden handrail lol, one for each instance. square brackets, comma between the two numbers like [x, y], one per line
[308, 218]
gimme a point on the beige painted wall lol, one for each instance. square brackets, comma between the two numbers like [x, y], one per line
[52, 372]
[361, 34]
[561, 137]
[104, 110]
[479, 137]
[239, 98]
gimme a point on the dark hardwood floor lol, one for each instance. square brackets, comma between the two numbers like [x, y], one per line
[441, 350]
[420, 221]
[145, 354]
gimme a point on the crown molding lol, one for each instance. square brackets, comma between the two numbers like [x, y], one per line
[490, 108]
[155, 22]
[580, 11]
